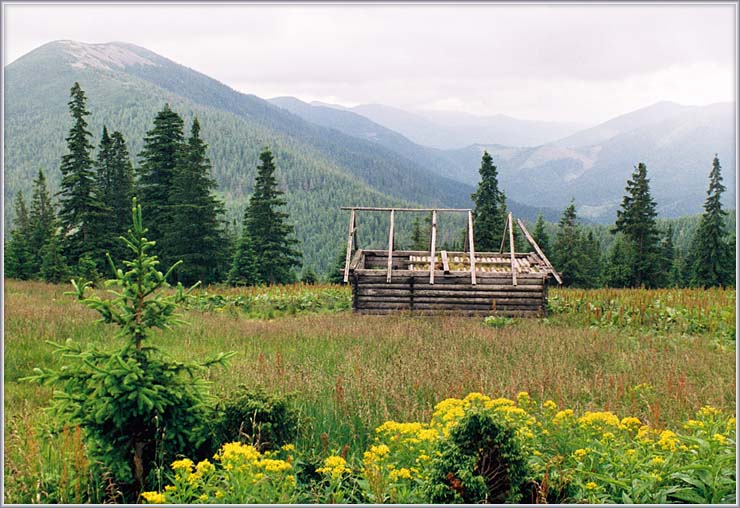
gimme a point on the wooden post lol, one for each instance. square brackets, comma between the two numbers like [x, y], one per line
[539, 251]
[434, 246]
[390, 250]
[445, 262]
[511, 249]
[472, 247]
[349, 244]
[503, 238]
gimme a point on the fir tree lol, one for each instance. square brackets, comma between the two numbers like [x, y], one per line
[421, 238]
[102, 217]
[671, 276]
[53, 263]
[636, 220]
[270, 237]
[244, 270]
[540, 235]
[195, 234]
[567, 254]
[160, 157]
[590, 252]
[711, 258]
[77, 201]
[309, 276]
[122, 192]
[618, 271]
[336, 272]
[19, 258]
[489, 213]
[42, 224]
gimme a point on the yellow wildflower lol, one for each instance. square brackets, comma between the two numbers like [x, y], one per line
[580, 453]
[630, 453]
[643, 435]
[288, 447]
[591, 486]
[204, 466]
[709, 411]
[203, 497]
[523, 399]
[607, 436]
[562, 415]
[185, 464]
[501, 401]
[334, 465]
[550, 405]
[657, 461]
[721, 439]
[731, 423]
[153, 497]
[599, 419]
[668, 440]
[169, 488]
[274, 466]
[630, 423]
[693, 424]
[400, 473]
[219, 494]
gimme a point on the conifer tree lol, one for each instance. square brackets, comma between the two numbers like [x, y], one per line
[711, 258]
[195, 234]
[160, 157]
[590, 252]
[489, 212]
[121, 191]
[54, 266]
[420, 238]
[42, 221]
[567, 247]
[19, 257]
[244, 270]
[618, 271]
[265, 230]
[336, 272]
[540, 235]
[670, 276]
[77, 202]
[636, 220]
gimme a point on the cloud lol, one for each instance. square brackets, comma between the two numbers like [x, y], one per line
[494, 58]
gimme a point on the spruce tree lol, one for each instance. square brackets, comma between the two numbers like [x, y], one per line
[489, 212]
[159, 160]
[421, 237]
[121, 192]
[195, 234]
[266, 231]
[671, 276]
[54, 266]
[77, 201]
[636, 220]
[590, 252]
[42, 221]
[540, 235]
[244, 270]
[19, 258]
[102, 217]
[618, 270]
[711, 258]
[567, 249]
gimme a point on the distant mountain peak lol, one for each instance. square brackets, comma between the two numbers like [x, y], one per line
[104, 55]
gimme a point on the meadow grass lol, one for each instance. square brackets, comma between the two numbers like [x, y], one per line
[349, 373]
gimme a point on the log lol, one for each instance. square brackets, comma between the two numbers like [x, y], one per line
[433, 247]
[349, 245]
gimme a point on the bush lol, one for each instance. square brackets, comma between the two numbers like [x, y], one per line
[266, 421]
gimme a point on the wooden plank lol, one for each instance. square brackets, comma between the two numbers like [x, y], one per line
[503, 238]
[539, 251]
[516, 302]
[390, 249]
[434, 246]
[349, 245]
[461, 278]
[445, 262]
[356, 260]
[480, 288]
[511, 249]
[472, 247]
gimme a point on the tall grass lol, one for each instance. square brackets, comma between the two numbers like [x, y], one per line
[349, 373]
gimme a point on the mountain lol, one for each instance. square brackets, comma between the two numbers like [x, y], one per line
[624, 123]
[320, 169]
[454, 130]
[443, 162]
[677, 143]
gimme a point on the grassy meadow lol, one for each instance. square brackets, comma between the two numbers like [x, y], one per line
[349, 373]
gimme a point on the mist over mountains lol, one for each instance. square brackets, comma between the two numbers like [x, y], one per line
[329, 156]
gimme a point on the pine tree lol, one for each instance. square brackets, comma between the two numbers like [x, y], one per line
[636, 220]
[160, 157]
[489, 213]
[244, 270]
[618, 271]
[540, 235]
[271, 237]
[567, 249]
[77, 202]
[19, 257]
[195, 234]
[42, 221]
[711, 258]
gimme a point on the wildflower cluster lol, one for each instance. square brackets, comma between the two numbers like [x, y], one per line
[241, 475]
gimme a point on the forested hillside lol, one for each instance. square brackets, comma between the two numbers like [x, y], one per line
[319, 169]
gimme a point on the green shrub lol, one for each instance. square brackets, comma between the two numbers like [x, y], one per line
[266, 421]
[498, 321]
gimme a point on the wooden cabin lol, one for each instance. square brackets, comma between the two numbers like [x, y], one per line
[470, 283]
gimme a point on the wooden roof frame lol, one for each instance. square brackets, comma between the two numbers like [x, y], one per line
[352, 239]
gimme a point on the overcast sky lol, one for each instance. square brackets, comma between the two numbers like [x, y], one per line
[581, 63]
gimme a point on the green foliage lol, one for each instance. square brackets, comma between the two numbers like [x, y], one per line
[77, 203]
[618, 271]
[489, 213]
[137, 407]
[636, 220]
[576, 254]
[264, 420]
[541, 237]
[196, 235]
[480, 462]
[269, 236]
[309, 276]
[19, 258]
[711, 257]
[498, 321]
[160, 156]
[54, 266]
